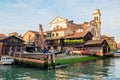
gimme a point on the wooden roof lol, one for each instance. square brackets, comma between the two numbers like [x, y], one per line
[94, 42]
[2, 40]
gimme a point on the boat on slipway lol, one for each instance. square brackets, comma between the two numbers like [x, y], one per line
[6, 60]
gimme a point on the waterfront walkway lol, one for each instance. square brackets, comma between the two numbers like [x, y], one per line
[42, 61]
[64, 56]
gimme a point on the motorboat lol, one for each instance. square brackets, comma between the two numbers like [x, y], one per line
[6, 60]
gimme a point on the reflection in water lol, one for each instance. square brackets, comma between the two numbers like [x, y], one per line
[107, 69]
[94, 70]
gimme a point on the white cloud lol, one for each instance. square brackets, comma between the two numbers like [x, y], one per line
[20, 5]
[27, 14]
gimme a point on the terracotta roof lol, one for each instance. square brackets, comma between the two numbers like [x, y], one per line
[84, 26]
[92, 22]
[2, 36]
[73, 26]
[103, 36]
[94, 42]
[36, 32]
[77, 35]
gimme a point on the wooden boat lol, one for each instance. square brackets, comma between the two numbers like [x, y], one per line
[6, 60]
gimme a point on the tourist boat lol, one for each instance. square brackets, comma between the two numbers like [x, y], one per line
[6, 60]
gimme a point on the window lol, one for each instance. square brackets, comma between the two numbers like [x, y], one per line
[14, 40]
[93, 32]
[60, 26]
[79, 30]
[96, 18]
[37, 36]
[53, 34]
[56, 34]
[57, 27]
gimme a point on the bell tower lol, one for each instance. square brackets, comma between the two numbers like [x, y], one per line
[97, 18]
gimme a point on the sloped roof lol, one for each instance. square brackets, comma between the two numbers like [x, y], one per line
[1, 40]
[77, 35]
[2, 35]
[104, 36]
[92, 22]
[85, 26]
[73, 26]
[56, 18]
[94, 42]
[35, 32]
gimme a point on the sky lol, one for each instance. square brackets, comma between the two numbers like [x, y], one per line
[23, 15]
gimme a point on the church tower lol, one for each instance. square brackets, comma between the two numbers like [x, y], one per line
[97, 18]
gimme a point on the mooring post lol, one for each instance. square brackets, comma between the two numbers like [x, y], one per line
[53, 61]
[49, 61]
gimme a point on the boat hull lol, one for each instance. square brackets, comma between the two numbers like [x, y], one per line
[6, 60]
[6, 63]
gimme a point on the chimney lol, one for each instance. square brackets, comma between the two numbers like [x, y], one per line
[40, 30]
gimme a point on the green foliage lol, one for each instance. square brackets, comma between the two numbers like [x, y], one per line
[72, 41]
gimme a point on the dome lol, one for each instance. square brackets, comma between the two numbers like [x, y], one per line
[96, 11]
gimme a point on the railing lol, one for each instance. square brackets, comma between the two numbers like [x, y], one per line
[32, 55]
[49, 57]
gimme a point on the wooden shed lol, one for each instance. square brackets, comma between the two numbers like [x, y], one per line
[100, 47]
[10, 44]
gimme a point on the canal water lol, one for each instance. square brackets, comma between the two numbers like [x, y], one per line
[107, 69]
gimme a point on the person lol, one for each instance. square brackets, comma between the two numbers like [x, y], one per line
[66, 51]
[63, 51]
[51, 50]
[71, 51]
[44, 50]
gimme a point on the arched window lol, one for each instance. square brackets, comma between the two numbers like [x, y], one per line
[97, 18]
[93, 32]
[94, 18]
[57, 27]
[56, 34]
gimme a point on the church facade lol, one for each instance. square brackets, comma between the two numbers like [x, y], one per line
[61, 27]
[65, 33]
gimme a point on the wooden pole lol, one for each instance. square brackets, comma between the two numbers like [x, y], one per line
[53, 61]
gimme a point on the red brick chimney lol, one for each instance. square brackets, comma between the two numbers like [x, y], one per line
[40, 30]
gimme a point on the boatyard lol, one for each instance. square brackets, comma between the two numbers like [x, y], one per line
[59, 40]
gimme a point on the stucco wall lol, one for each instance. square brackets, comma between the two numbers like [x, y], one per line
[58, 22]
[29, 36]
